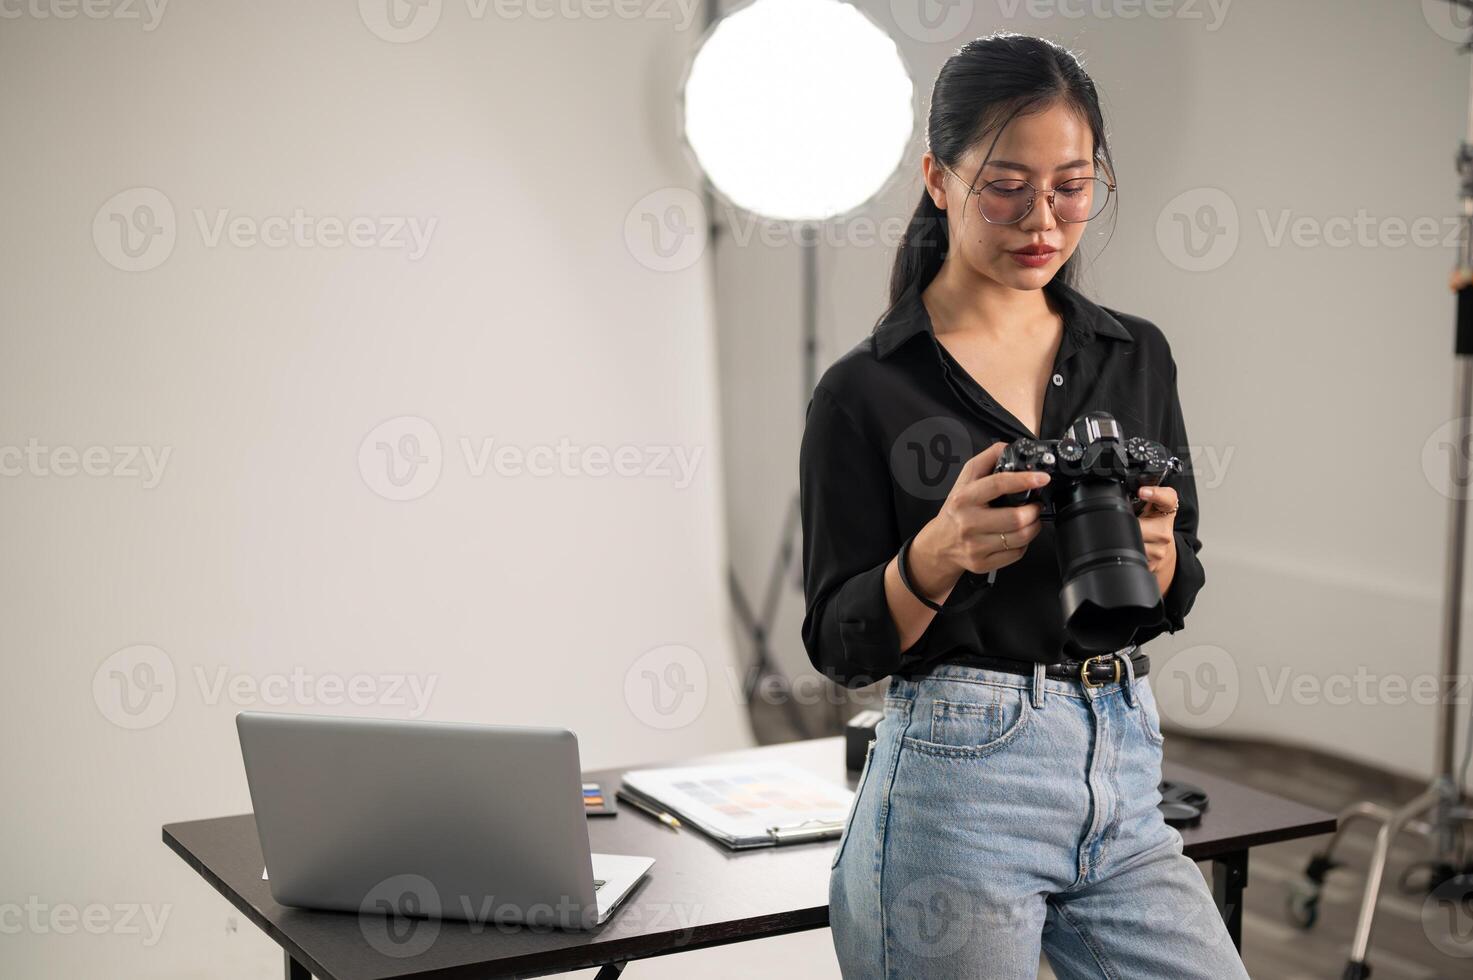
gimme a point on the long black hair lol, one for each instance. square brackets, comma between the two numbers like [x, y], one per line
[978, 91]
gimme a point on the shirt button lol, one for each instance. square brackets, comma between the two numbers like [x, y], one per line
[1058, 380]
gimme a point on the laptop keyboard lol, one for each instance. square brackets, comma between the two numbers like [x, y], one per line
[598, 883]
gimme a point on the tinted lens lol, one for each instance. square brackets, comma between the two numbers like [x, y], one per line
[1005, 201]
[1080, 199]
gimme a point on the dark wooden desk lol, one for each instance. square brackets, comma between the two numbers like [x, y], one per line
[697, 894]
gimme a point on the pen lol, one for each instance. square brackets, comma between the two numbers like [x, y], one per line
[659, 815]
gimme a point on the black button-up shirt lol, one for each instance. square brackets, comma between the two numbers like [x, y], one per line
[888, 428]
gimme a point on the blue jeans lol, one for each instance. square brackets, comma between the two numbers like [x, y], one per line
[999, 816]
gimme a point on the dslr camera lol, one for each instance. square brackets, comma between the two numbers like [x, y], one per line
[1092, 497]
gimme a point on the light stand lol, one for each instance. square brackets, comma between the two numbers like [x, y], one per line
[796, 111]
[760, 628]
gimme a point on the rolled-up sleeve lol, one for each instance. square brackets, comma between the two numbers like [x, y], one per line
[1190, 576]
[849, 537]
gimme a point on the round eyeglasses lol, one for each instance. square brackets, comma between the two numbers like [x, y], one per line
[1008, 201]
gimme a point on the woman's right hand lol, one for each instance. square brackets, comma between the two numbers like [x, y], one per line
[967, 533]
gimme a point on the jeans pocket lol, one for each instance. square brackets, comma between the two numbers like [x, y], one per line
[869, 755]
[975, 722]
[1150, 715]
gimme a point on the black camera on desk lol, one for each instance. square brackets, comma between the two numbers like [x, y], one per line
[1093, 499]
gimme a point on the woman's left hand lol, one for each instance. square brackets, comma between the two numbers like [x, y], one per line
[1158, 523]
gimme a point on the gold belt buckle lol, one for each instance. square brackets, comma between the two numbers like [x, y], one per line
[1084, 670]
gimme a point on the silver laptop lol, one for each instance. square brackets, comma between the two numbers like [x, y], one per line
[428, 819]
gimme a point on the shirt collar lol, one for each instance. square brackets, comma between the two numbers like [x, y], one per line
[1083, 319]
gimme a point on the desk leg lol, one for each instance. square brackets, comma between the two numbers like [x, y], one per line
[610, 971]
[1229, 878]
[295, 970]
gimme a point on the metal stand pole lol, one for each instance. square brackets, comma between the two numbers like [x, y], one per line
[759, 627]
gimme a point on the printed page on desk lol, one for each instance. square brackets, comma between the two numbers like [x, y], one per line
[738, 804]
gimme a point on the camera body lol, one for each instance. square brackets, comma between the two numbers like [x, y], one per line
[1092, 448]
[1093, 499]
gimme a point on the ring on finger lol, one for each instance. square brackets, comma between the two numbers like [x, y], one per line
[1005, 545]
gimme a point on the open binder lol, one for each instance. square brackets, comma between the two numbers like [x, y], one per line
[751, 805]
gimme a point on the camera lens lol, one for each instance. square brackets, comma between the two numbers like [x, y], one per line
[1109, 591]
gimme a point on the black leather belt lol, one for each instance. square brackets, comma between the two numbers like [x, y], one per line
[1093, 672]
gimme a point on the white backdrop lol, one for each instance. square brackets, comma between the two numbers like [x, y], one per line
[567, 525]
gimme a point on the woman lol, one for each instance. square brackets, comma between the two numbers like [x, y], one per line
[1008, 804]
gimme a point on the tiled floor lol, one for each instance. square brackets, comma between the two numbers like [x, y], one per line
[1401, 948]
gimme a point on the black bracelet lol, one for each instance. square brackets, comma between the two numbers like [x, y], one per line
[967, 578]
